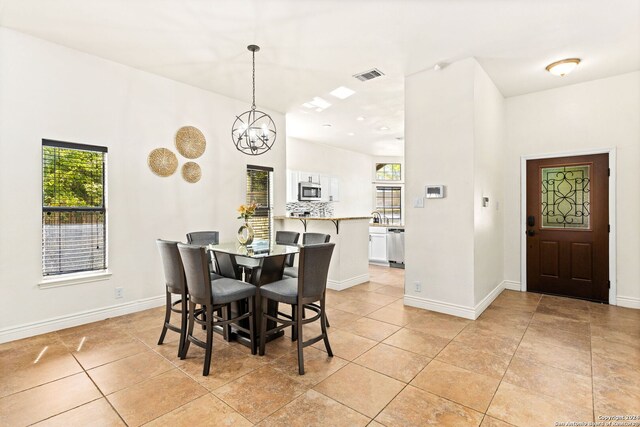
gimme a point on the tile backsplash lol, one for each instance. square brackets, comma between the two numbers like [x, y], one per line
[317, 209]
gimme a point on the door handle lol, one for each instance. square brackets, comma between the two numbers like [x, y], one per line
[531, 233]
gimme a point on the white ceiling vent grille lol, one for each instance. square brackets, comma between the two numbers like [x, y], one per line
[369, 75]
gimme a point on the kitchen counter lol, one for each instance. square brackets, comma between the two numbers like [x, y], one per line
[386, 225]
[350, 260]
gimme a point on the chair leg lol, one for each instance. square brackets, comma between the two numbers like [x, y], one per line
[263, 325]
[167, 318]
[323, 325]
[183, 324]
[298, 326]
[209, 344]
[294, 332]
[252, 330]
[192, 315]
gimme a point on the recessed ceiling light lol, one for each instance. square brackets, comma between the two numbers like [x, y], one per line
[360, 118]
[320, 103]
[326, 125]
[342, 92]
[351, 134]
[384, 128]
[563, 67]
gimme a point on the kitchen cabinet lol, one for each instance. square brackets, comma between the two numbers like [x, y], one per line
[309, 177]
[378, 244]
[334, 189]
[293, 177]
[330, 185]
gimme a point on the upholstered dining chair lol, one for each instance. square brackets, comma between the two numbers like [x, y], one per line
[211, 296]
[288, 238]
[174, 285]
[309, 287]
[204, 238]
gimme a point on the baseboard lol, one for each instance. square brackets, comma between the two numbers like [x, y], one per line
[440, 306]
[629, 302]
[512, 285]
[344, 284]
[54, 324]
[486, 301]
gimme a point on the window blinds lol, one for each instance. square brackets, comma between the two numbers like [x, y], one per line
[259, 190]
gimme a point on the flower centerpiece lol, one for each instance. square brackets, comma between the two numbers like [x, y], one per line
[245, 232]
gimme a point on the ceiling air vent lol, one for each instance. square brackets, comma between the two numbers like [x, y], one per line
[369, 75]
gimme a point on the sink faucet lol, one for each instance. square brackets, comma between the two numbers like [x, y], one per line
[377, 218]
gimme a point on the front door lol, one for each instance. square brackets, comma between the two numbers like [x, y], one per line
[568, 226]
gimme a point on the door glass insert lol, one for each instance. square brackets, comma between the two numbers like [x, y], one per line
[566, 197]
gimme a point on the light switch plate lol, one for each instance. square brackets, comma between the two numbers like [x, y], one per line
[418, 202]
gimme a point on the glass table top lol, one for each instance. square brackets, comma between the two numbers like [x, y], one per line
[258, 249]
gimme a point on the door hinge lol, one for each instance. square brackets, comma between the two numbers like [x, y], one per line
[608, 171]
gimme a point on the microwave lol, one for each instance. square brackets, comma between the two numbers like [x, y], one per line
[309, 191]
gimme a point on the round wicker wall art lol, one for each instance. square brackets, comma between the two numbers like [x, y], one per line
[191, 172]
[190, 142]
[162, 162]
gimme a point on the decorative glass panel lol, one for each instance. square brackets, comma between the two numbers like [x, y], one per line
[388, 172]
[565, 197]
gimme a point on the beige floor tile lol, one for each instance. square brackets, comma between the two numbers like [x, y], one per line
[40, 341]
[315, 409]
[44, 401]
[151, 335]
[438, 324]
[393, 291]
[606, 368]
[460, 385]
[484, 340]
[346, 345]
[560, 323]
[554, 382]
[417, 342]
[361, 308]
[493, 422]
[95, 414]
[415, 407]
[126, 372]
[368, 286]
[227, 364]
[611, 398]
[623, 352]
[204, 411]
[522, 407]
[565, 340]
[150, 399]
[394, 315]
[260, 393]
[373, 297]
[317, 366]
[97, 349]
[394, 362]
[341, 319]
[579, 314]
[498, 328]
[501, 314]
[605, 311]
[32, 365]
[372, 329]
[359, 388]
[568, 359]
[624, 335]
[490, 364]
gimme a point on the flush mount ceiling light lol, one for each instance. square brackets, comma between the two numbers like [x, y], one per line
[351, 134]
[342, 92]
[360, 118]
[384, 128]
[253, 131]
[563, 67]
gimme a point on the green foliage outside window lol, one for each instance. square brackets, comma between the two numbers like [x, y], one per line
[72, 178]
[388, 172]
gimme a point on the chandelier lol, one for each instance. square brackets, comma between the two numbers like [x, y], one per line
[253, 131]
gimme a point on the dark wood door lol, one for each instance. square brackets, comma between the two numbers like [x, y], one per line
[568, 226]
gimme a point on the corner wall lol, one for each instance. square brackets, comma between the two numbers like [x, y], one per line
[49, 91]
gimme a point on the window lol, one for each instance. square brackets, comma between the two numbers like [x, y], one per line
[259, 190]
[388, 172]
[73, 208]
[388, 203]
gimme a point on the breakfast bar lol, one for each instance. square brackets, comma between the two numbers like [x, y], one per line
[350, 261]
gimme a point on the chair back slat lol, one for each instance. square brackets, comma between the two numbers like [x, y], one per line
[313, 269]
[172, 266]
[203, 238]
[315, 238]
[196, 271]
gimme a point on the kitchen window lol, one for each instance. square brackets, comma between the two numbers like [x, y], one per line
[74, 226]
[389, 204]
[388, 172]
[260, 191]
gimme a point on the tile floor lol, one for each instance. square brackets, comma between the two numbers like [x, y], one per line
[529, 360]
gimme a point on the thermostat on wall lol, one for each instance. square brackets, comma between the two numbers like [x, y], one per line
[434, 191]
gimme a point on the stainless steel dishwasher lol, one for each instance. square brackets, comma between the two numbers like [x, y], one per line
[395, 247]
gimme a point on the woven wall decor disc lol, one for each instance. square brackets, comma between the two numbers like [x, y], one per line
[190, 142]
[162, 162]
[191, 172]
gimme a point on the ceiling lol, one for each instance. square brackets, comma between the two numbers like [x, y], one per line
[310, 47]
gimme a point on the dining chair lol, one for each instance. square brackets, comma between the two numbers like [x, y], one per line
[174, 285]
[288, 238]
[204, 238]
[212, 295]
[309, 287]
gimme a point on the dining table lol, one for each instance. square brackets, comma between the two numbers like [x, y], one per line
[260, 263]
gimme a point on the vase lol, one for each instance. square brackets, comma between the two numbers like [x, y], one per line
[245, 234]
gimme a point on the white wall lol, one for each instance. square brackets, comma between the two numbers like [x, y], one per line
[353, 169]
[489, 130]
[49, 91]
[439, 138]
[598, 114]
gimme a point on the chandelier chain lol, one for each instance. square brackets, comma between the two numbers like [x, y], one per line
[253, 105]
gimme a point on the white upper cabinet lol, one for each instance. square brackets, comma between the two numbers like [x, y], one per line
[334, 189]
[330, 185]
[292, 186]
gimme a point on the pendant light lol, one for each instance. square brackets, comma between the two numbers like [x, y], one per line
[253, 131]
